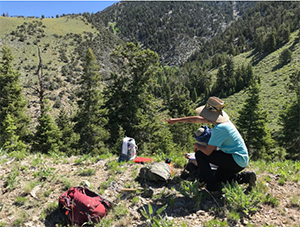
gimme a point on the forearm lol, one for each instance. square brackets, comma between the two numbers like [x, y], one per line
[190, 119]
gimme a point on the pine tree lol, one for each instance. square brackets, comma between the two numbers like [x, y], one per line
[248, 75]
[252, 124]
[229, 77]
[270, 42]
[12, 101]
[239, 78]
[47, 136]
[290, 120]
[218, 87]
[12, 142]
[91, 119]
[180, 106]
[131, 105]
[69, 139]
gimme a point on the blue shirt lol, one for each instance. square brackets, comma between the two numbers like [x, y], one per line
[228, 139]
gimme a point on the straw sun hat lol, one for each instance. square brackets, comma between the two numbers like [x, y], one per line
[213, 110]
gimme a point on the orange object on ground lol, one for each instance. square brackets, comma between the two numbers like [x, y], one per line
[142, 160]
[170, 164]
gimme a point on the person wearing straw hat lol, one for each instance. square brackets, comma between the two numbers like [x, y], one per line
[232, 156]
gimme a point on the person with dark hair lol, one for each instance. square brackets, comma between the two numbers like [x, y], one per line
[231, 157]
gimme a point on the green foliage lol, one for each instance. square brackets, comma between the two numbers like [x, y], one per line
[12, 142]
[179, 106]
[237, 200]
[290, 137]
[285, 56]
[269, 44]
[12, 105]
[105, 222]
[155, 219]
[10, 181]
[215, 222]
[181, 22]
[115, 167]
[252, 124]
[90, 119]
[120, 210]
[131, 105]
[45, 173]
[270, 200]
[19, 201]
[69, 139]
[87, 172]
[47, 136]
[191, 190]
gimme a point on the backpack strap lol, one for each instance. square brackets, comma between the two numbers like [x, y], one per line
[106, 203]
[69, 202]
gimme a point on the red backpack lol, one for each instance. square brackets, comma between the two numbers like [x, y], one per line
[79, 205]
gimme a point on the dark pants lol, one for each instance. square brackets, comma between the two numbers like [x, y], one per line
[227, 169]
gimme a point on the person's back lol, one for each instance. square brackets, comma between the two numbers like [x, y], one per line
[228, 139]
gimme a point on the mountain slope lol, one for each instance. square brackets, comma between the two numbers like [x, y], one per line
[63, 43]
[175, 30]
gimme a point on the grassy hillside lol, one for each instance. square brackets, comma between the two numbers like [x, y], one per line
[63, 43]
[274, 81]
[53, 29]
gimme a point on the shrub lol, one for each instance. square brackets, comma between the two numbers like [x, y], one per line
[285, 56]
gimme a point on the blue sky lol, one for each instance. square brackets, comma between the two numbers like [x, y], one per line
[51, 8]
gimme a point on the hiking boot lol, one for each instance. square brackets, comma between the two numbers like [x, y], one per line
[252, 180]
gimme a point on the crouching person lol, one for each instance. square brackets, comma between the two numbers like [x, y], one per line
[232, 156]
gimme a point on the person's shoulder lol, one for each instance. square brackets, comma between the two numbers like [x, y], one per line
[224, 126]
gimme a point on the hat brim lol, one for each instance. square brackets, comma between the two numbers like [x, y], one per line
[212, 116]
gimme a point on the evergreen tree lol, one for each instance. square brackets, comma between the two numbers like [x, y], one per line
[252, 124]
[131, 105]
[47, 136]
[249, 76]
[239, 78]
[180, 106]
[91, 119]
[258, 42]
[226, 82]
[283, 33]
[270, 42]
[229, 76]
[290, 120]
[218, 87]
[12, 101]
[12, 142]
[69, 139]
[285, 56]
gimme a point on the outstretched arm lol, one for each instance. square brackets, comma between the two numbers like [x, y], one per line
[190, 119]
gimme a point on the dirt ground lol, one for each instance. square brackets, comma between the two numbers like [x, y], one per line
[52, 176]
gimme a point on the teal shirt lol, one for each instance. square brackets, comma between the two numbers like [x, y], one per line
[228, 139]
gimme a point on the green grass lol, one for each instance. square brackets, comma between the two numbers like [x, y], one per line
[274, 80]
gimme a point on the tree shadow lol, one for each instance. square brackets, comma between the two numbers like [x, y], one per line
[257, 57]
[279, 66]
